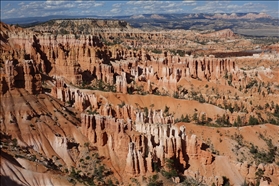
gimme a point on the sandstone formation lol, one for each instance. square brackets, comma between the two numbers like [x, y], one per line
[23, 75]
[129, 97]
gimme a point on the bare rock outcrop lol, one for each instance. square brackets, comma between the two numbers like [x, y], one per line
[21, 75]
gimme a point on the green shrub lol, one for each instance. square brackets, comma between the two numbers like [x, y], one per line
[253, 121]
[14, 141]
[226, 181]
[172, 172]
[33, 158]
[253, 149]
[252, 83]
[166, 110]
[183, 119]
[192, 182]
[153, 181]
[175, 95]
[156, 51]
[121, 104]
[263, 156]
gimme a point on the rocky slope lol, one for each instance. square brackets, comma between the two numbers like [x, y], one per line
[81, 109]
[82, 26]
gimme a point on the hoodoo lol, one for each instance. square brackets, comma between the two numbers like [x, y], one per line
[110, 104]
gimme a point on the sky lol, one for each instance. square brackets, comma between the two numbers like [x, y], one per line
[18, 9]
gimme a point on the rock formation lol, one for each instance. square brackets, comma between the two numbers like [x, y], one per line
[131, 97]
[22, 75]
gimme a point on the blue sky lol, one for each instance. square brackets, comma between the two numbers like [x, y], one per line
[15, 9]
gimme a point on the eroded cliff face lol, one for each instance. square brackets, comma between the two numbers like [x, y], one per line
[37, 124]
[21, 75]
[144, 140]
[75, 56]
[16, 175]
[82, 60]
[50, 105]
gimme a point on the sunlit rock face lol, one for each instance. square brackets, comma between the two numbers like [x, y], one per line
[66, 98]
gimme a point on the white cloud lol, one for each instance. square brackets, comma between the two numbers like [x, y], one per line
[159, 6]
[86, 12]
[232, 6]
[137, 2]
[88, 4]
[227, 7]
[174, 11]
[117, 5]
[8, 5]
[148, 7]
[98, 4]
[115, 10]
[170, 5]
[88, 7]
[11, 11]
[219, 11]
[188, 1]
[50, 7]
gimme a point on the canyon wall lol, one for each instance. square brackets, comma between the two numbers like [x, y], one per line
[44, 75]
[145, 140]
[51, 54]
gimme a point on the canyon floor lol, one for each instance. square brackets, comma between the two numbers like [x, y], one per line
[99, 102]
